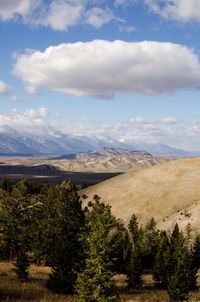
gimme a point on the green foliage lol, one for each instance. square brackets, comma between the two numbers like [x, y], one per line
[180, 272]
[64, 223]
[15, 221]
[22, 265]
[135, 265]
[196, 252]
[95, 283]
[162, 260]
[149, 244]
[135, 269]
[133, 228]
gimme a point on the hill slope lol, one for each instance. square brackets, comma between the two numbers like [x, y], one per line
[161, 191]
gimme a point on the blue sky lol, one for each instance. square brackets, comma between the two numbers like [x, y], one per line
[128, 69]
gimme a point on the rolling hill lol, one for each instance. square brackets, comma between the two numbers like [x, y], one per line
[169, 192]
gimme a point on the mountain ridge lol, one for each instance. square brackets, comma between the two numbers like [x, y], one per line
[54, 142]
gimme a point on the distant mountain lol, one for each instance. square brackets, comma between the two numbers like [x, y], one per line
[104, 152]
[53, 142]
[164, 150]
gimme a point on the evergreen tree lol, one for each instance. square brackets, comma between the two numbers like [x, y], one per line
[180, 283]
[149, 244]
[135, 269]
[196, 252]
[95, 283]
[133, 228]
[63, 233]
[181, 274]
[15, 220]
[135, 266]
[162, 260]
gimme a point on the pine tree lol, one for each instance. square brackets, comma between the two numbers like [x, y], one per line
[180, 283]
[15, 220]
[135, 269]
[95, 283]
[196, 252]
[149, 244]
[63, 237]
[135, 265]
[133, 228]
[162, 259]
[180, 272]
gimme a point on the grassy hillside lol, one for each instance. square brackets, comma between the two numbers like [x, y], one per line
[161, 191]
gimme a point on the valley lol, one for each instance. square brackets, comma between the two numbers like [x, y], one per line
[83, 168]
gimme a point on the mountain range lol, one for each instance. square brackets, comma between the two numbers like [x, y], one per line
[54, 142]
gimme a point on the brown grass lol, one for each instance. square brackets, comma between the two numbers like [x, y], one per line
[162, 192]
[12, 290]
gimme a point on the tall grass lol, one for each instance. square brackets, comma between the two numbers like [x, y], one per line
[13, 290]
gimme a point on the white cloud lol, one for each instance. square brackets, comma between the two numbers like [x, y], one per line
[169, 120]
[102, 68]
[97, 17]
[124, 2]
[138, 121]
[4, 89]
[60, 15]
[29, 120]
[9, 9]
[56, 14]
[179, 10]
[125, 28]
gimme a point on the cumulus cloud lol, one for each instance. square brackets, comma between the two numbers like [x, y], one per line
[179, 10]
[60, 15]
[29, 120]
[57, 14]
[97, 17]
[169, 120]
[102, 68]
[10, 9]
[4, 89]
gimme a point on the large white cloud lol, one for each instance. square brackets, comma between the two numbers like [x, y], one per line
[102, 68]
[179, 10]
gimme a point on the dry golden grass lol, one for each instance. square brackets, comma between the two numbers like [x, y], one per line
[159, 191]
[12, 290]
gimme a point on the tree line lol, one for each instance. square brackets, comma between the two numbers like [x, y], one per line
[86, 247]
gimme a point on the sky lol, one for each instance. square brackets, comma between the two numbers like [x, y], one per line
[128, 69]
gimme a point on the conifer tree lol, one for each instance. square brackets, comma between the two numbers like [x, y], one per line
[135, 269]
[95, 283]
[133, 228]
[135, 266]
[180, 272]
[149, 244]
[196, 252]
[63, 233]
[162, 259]
[15, 220]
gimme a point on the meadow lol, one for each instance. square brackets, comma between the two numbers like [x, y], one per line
[34, 290]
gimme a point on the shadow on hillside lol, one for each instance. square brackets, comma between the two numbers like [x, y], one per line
[49, 174]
